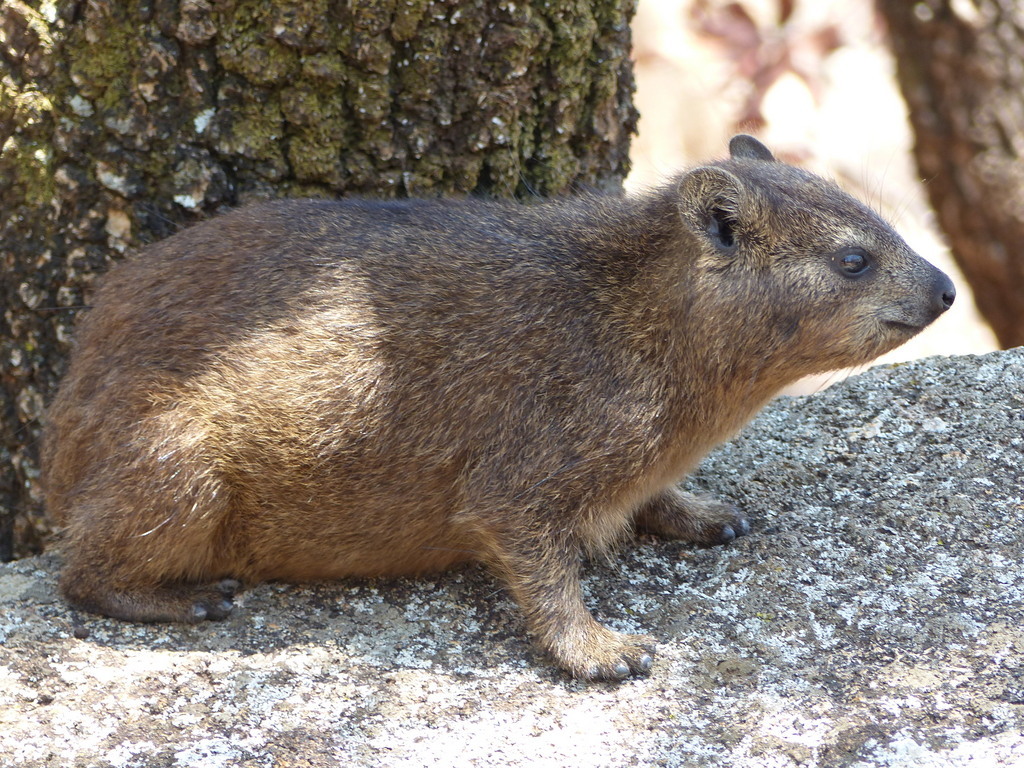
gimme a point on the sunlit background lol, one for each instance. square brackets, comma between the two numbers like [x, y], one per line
[818, 88]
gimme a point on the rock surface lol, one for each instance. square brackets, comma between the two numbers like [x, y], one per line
[872, 618]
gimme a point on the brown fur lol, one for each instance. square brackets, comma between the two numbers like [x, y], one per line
[306, 390]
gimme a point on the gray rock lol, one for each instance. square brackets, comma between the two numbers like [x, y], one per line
[872, 618]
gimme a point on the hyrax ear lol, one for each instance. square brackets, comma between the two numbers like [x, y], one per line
[713, 200]
[743, 147]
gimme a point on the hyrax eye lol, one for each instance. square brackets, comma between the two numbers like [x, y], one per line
[852, 263]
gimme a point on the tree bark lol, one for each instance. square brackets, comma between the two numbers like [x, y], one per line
[122, 121]
[961, 70]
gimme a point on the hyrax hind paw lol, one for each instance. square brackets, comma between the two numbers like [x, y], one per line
[676, 514]
[605, 655]
[187, 604]
[217, 603]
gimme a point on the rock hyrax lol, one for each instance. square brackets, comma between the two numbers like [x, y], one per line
[310, 389]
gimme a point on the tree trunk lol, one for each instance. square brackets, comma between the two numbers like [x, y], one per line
[123, 120]
[961, 69]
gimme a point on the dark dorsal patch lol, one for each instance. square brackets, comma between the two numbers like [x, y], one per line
[744, 147]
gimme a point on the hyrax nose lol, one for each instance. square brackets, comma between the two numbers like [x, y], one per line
[943, 294]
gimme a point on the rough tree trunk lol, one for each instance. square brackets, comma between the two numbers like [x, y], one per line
[961, 69]
[123, 120]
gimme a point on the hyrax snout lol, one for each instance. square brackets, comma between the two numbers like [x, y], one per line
[308, 389]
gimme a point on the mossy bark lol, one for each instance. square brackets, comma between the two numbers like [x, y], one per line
[961, 70]
[123, 120]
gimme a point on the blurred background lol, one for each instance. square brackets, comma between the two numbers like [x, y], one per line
[816, 81]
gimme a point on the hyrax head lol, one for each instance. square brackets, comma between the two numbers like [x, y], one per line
[807, 275]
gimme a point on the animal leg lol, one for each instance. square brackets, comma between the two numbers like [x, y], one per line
[676, 514]
[543, 575]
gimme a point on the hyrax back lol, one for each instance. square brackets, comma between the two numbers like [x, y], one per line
[309, 390]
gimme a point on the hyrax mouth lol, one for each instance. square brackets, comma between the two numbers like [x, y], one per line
[908, 329]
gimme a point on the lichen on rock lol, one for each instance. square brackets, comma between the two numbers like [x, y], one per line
[871, 618]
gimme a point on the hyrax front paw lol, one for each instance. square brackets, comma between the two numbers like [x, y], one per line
[722, 522]
[676, 514]
[601, 654]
